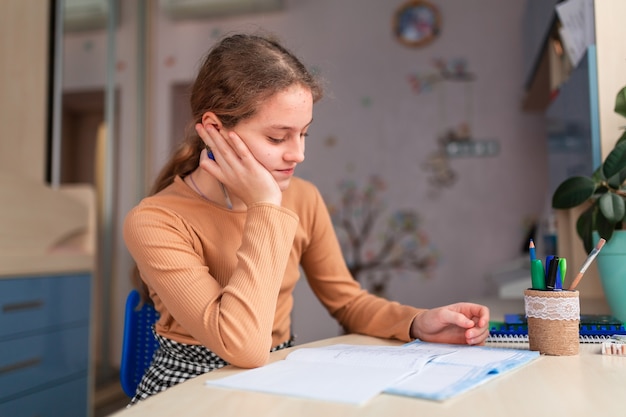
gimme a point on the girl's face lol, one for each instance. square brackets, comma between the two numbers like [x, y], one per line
[275, 134]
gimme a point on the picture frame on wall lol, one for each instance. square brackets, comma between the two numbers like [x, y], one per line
[417, 23]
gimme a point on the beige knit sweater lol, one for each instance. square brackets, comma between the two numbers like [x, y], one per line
[224, 279]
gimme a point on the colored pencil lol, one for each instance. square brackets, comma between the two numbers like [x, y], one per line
[588, 261]
[531, 250]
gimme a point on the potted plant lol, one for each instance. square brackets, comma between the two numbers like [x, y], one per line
[604, 216]
[604, 191]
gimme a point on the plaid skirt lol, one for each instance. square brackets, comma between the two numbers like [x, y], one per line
[175, 362]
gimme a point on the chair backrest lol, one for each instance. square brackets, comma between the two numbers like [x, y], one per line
[139, 344]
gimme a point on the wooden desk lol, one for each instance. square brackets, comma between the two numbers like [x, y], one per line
[589, 384]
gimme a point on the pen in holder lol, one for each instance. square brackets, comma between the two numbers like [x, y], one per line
[553, 321]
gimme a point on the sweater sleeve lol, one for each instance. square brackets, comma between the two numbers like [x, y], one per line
[234, 321]
[354, 308]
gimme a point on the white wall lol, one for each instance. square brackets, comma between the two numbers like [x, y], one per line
[381, 126]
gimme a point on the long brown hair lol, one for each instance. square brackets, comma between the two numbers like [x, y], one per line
[236, 76]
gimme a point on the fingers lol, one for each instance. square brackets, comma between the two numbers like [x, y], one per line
[482, 313]
[226, 145]
[476, 336]
[236, 167]
[212, 138]
[462, 323]
[205, 160]
[206, 163]
[238, 145]
[220, 161]
[473, 318]
[479, 314]
[456, 318]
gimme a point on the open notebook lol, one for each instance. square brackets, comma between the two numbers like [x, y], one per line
[354, 373]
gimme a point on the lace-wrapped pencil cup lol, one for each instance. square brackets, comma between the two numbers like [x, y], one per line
[553, 321]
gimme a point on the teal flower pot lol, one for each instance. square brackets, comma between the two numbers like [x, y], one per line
[612, 268]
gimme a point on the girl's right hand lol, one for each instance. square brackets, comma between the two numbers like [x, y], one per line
[236, 167]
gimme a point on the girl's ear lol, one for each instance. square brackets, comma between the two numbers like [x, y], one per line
[210, 118]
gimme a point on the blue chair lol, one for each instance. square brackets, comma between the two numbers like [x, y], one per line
[139, 344]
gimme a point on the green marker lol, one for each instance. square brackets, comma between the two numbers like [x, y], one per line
[537, 275]
[562, 269]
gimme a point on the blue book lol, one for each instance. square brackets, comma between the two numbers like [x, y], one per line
[594, 328]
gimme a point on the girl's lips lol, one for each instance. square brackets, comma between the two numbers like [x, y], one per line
[287, 171]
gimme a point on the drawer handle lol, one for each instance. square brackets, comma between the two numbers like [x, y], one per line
[24, 305]
[20, 365]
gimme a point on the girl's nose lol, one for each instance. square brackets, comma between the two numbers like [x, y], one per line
[295, 152]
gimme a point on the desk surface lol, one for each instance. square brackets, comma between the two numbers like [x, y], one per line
[589, 384]
[56, 240]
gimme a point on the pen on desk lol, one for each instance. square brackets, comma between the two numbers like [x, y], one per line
[531, 251]
[588, 261]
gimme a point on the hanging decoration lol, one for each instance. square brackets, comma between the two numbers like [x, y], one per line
[374, 253]
[416, 23]
[456, 140]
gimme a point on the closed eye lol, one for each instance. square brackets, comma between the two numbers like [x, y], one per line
[281, 140]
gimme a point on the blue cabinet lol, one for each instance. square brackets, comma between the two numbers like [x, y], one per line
[44, 345]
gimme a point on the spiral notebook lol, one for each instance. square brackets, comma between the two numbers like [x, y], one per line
[594, 328]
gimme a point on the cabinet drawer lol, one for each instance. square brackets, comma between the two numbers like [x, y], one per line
[30, 304]
[42, 359]
[63, 400]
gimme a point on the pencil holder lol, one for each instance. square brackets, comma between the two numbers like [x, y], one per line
[553, 321]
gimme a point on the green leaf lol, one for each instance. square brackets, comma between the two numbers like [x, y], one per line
[602, 189]
[615, 160]
[598, 175]
[573, 192]
[617, 180]
[612, 207]
[604, 226]
[621, 138]
[584, 227]
[620, 102]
